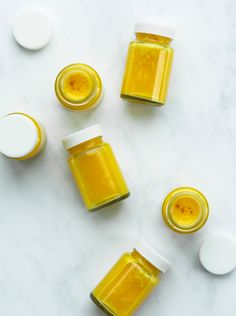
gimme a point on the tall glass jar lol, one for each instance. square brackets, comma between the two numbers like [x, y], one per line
[95, 168]
[148, 65]
[130, 281]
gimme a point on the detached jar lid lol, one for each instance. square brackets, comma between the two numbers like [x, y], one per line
[218, 254]
[32, 29]
[152, 256]
[155, 29]
[81, 136]
[18, 135]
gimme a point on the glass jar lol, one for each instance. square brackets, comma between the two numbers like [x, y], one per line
[185, 210]
[21, 136]
[78, 87]
[148, 65]
[95, 168]
[130, 281]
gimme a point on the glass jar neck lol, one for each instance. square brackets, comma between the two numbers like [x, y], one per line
[144, 262]
[89, 144]
[153, 38]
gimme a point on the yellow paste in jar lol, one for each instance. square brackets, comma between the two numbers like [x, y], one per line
[77, 85]
[148, 69]
[126, 285]
[185, 210]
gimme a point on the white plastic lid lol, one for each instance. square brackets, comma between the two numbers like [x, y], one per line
[152, 256]
[218, 254]
[18, 135]
[32, 29]
[155, 29]
[81, 136]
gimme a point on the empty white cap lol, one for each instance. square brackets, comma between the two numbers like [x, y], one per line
[218, 254]
[18, 135]
[81, 136]
[32, 29]
[155, 29]
[152, 256]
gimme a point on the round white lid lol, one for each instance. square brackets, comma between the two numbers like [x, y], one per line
[32, 29]
[152, 256]
[18, 135]
[81, 136]
[155, 29]
[218, 254]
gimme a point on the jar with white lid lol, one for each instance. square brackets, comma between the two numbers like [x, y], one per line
[129, 282]
[21, 136]
[148, 65]
[95, 168]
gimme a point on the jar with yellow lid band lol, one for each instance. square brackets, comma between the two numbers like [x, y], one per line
[148, 65]
[185, 210]
[95, 168]
[130, 281]
[21, 136]
[79, 87]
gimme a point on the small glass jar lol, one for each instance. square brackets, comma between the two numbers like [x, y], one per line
[148, 65]
[78, 87]
[95, 168]
[185, 210]
[130, 281]
[21, 136]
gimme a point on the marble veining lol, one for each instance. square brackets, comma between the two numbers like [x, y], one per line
[53, 252]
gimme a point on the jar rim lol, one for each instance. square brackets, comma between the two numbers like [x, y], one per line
[185, 192]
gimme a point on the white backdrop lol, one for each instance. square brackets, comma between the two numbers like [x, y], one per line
[52, 251]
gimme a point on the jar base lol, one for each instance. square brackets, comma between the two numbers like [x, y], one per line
[140, 100]
[120, 198]
[100, 305]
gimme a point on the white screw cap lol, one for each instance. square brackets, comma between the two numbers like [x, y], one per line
[155, 29]
[81, 136]
[18, 135]
[32, 29]
[152, 256]
[218, 254]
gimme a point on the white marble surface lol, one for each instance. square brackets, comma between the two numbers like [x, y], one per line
[52, 251]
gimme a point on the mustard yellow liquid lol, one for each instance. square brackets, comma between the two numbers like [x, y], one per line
[185, 211]
[126, 285]
[97, 174]
[148, 69]
[78, 87]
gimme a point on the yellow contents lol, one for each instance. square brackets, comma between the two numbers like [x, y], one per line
[77, 85]
[185, 211]
[126, 285]
[97, 174]
[148, 70]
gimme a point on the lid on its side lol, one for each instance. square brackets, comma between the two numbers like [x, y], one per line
[81, 136]
[32, 29]
[152, 256]
[18, 135]
[218, 254]
[155, 29]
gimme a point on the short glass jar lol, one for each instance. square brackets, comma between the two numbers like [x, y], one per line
[95, 168]
[130, 281]
[185, 210]
[78, 87]
[148, 65]
[21, 136]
